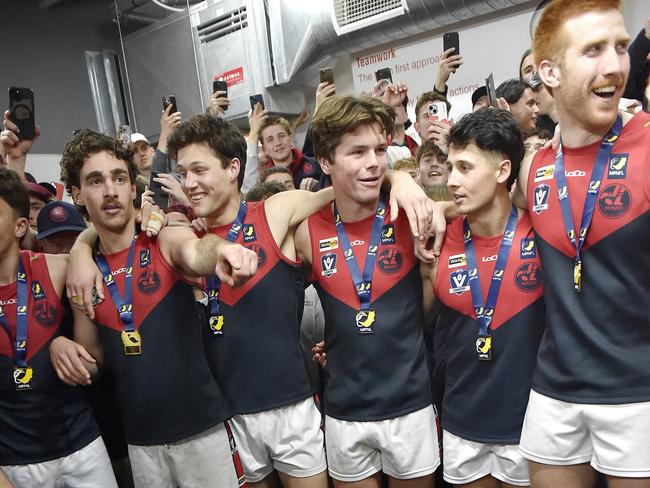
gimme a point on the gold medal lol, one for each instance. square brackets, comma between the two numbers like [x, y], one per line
[484, 348]
[216, 324]
[577, 275]
[132, 342]
[23, 378]
[365, 319]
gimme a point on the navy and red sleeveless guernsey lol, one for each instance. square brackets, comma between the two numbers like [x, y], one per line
[381, 375]
[167, 393]
[597, 344]
[485, 401]
[52, 420]
[258, 359]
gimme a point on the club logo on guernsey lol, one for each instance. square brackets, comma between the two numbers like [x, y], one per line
[540, 194]
[45, 314]
[459, 281]
[248, 233]
[149, 282]
[528, 277]
[388, 234]
[614, 201]
[456, 261]
[527, 249]
[328, 244]
[37, 291]
[261, 254]
[328, 264]
[544, 173]
[389, 261]
[617, 166]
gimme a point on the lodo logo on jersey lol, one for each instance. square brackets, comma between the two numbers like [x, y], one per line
[458, 281]
[456, 261]
[149, 282]
[388, 234]
[389, 261]
[328, 264]
[37, 291]
[261, 254]
[544, 173]
[617, 167]
[614, 201]
[328, 244]
[527, 249]
[248, 233]
[45, 314]
[528, 277]
[540, 196]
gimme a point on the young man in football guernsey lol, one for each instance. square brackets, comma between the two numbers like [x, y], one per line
[379, 415]
[48, 436]
[148, 330]
[589, 203]
[489, 286]
[252, 339]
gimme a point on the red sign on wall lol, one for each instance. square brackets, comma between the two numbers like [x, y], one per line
[232, 77]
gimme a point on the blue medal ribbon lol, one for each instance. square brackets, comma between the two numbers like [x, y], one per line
[124, 305]
[362, 282]
[577, 240]
[484, 310]
[214, 283]
[20, 341]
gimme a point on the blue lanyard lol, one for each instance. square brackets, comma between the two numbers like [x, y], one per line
[362, 283]
[124, 305]
[590, 200]
[214, 283]
[485, 310]
[20, 342]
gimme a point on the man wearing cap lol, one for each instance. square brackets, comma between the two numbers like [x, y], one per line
[142, 153]
[39, 196]
[59, 224]
[479, 98]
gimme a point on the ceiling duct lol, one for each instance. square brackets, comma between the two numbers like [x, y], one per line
[351, 15]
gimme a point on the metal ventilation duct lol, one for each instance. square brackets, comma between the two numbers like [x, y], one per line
[304, 34]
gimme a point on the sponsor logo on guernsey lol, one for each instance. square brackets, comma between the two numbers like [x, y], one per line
[540, 198]
[544, 173]
[248, 233]
[487, 259]
[11, 301]
[577, 172]
[458, 281]
[528, 277]
[527, 249]
[357, 242]
[145, 258]
[614, 201]
[388, 234]
[328, 244]
[456, 261]
[328, 264]
[37, 291]
[617, 166]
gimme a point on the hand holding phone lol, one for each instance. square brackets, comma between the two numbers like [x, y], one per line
[384, 74]
[449, 40]
[124, 134]
[491, 92]
[160, 198]
[21, 107]
[255, 99]
[437, 110]
[169, 100]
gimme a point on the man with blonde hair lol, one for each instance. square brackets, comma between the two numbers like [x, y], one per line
[590, 207]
